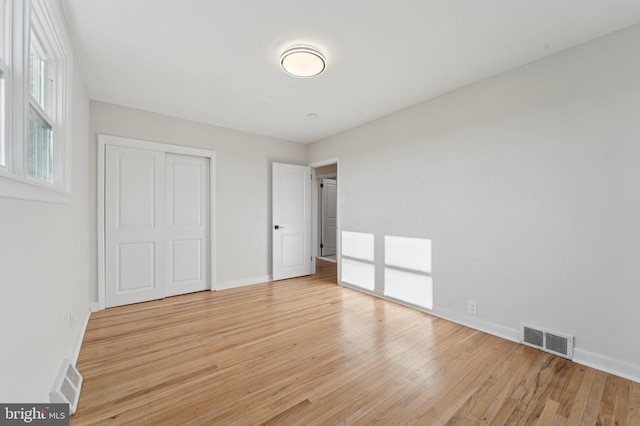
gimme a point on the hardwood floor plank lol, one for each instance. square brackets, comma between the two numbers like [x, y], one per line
[464, 390]
[581, 398]
[548, 413]
[633, 417]
[493, 387]
[545, 386]
[608, 401]
[504, 381]
[558, 420]
[590, 414]
[306, 351]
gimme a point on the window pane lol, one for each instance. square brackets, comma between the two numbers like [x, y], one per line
[3, 119]
[36, 76]
[4, 29]
[39, 149]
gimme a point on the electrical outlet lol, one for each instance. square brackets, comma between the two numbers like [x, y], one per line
[472, 307]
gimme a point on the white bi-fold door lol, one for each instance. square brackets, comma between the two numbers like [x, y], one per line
[156, 224]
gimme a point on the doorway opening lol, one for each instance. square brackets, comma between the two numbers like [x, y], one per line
[325, 208]
[328, 220]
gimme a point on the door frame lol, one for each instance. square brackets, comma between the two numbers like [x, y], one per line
[315, 220]
[103, 141]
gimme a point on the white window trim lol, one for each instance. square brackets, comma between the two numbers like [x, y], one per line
[14, 179]
[6, 68]
[4, 168]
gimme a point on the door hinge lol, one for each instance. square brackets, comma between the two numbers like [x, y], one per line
[321, 245]
[322, 185]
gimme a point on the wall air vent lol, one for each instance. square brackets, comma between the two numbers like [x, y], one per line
[549, 341]
[66, 388]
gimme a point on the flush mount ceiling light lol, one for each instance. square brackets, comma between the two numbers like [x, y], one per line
[303, 61]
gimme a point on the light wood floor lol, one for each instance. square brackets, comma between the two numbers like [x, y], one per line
[307, 351]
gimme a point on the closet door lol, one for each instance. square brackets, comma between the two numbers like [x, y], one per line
[187, 195]
[134, 225]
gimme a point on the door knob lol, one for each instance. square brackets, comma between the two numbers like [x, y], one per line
[279, 227]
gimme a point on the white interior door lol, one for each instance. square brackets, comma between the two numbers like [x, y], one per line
[187, 183]
[329, 217]
[134, 225]
[291, 227]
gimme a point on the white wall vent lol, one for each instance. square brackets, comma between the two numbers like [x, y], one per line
[66, 388]
[549, 341]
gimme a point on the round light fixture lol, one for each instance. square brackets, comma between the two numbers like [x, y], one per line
[303, 61]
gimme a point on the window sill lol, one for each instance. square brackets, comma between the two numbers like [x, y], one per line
[20, 188]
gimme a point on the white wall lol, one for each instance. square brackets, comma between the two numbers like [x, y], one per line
[45, 275]
[528, 184]
[243, 163]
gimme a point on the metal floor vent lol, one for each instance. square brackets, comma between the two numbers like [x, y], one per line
[66, 388]
[549, 341]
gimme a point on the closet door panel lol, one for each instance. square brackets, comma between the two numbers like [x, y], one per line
[134, 225]
[187, 179]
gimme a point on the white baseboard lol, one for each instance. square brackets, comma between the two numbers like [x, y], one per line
[606, 364]
[458, 318]
[477, 324]
[94, 307]
[76, 344]
[241, 283]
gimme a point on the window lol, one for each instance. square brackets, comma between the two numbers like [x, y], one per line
[34, 101]
[5, 28]
[39, 147]
[3, 117]
[40, 139]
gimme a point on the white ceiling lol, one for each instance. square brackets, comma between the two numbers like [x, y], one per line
[217, 61]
